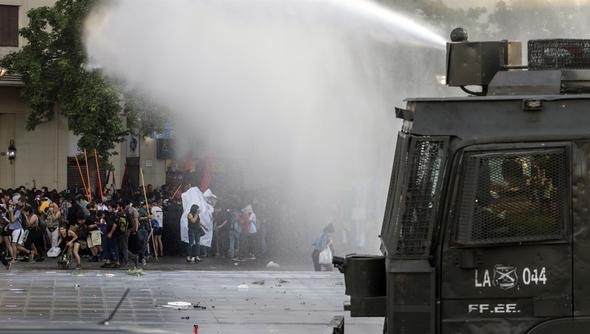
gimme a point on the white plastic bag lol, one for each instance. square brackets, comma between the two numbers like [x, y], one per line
[53, 252]
[326, 256]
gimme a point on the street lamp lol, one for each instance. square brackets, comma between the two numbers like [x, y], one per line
[11, 152]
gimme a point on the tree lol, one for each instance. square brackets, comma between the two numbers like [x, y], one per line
[56, 79]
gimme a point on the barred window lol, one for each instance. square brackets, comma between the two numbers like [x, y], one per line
[8, 25]
[513, 196]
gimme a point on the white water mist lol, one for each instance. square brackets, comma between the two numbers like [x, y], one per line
[297, 94]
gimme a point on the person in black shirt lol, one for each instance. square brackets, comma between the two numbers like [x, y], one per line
[111, 248]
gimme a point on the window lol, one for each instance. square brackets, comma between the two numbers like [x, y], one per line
[416, 206]
[513, 196]
[8, 25]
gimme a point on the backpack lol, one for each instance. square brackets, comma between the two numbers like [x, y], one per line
[123, 224]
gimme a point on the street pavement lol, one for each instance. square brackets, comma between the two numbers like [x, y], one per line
[229, 301]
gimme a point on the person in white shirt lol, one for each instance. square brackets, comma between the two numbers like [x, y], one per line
[252, 230]
[157, 225]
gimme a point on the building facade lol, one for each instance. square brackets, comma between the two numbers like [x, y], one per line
[44, 157]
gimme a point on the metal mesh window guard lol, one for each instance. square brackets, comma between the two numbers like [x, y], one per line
[513, 196]
[559, 54]
[414, 225]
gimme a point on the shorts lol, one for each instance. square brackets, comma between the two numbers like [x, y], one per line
[157, 231]
[94, 239]
[18, 236]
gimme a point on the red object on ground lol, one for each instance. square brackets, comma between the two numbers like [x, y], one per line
[195, 329]
[207, 174]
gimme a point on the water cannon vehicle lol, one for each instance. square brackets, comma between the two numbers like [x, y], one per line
[487, 221]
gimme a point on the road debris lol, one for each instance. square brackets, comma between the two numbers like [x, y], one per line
[261, 282]
[135, 272]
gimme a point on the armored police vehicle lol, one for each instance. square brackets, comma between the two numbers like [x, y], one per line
[487, 223]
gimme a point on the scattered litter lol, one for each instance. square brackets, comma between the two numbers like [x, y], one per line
[199, 307]
[183, 306]
[109, 275]
[261, 282]
[185, 318]
[135, 272]
[76, 286]
[243, 287]
[180, 305]
[235, 263]
[272, 264]
[282, 281]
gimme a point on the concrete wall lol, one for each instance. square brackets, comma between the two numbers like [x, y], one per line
[154, 171]
[41, 157]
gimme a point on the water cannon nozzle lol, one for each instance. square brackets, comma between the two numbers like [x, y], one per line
[459, 35]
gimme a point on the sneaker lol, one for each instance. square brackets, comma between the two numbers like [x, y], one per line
[189, 259]
[193, 259]
[116, 266]
[78, 267]
[198, 259]
[94, 259]
[8, 265]
[107, 265]
[143, 262]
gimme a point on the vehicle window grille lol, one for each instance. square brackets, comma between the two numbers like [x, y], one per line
[414, 226]
[513, 196]
[549, 54]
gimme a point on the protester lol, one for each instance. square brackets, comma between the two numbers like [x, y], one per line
[34, 242]
[158, 225]
[68, 241]
[320, 244]
[52, 220]
[111, 249]
[234, 235]
[195, 231]
[251, 231]
[126, 227]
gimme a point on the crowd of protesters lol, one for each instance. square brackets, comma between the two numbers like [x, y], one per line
[118, 228]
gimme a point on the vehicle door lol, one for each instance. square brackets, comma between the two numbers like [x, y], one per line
[507, 251]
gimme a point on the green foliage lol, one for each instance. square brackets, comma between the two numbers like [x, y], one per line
[144, 114]
[52, 65]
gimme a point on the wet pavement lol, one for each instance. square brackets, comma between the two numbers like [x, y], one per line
[228, 301]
